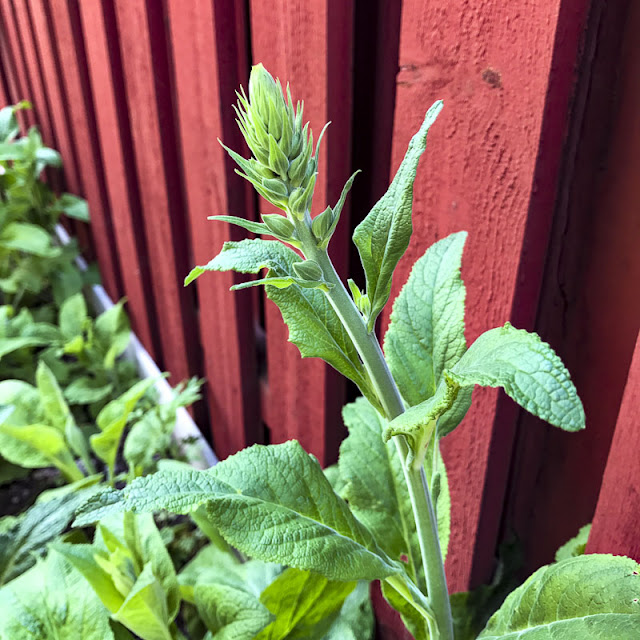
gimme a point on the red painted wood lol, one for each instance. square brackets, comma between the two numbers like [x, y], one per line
[57, 107]
[305, 397]
[11, 86]
[592, 314]
[149, 105]
[66, 36]
[32, 69]
[115, 146]
[490, 64]
[227, 320]
[615, 523]
[566, 56]
[17, 60]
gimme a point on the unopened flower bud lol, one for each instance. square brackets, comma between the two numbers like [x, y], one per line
[282, 147]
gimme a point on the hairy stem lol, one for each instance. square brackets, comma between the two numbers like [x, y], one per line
[369, 349]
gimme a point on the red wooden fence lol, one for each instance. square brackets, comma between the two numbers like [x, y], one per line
[135, 92]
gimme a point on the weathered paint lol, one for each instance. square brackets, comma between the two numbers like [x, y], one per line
[490, 64]
[309, 45]
[227, 319]
[615, 523]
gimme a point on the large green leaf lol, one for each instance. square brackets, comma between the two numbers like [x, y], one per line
[590, 597]
[130, 569]
[314, 327]
[527, 369]
[426, 329]
[304, 605]
[272, 503]
[375, 486]
[426, 332]
[73, 316]
[51, 602]
[383, 236]
[230, 612]
[31, 532]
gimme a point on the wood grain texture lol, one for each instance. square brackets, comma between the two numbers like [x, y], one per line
[26, 53]
[56, 103]
[587, 308]
[227, 319]
[490, 64]
[114, 139]
[149, 106]
[306, 396]
[615, 523]
[66, 36]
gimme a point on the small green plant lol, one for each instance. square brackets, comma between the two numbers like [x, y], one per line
[30, 260]
[391, 521]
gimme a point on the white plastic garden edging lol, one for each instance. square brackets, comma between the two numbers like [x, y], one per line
[199, 453]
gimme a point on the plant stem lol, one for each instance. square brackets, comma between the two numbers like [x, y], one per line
[373, 359]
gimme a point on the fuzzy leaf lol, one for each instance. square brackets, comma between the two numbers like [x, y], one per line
[355, 621]
[383, 236]
[272, 503]
[314, 326]
[528, 370]
[593, 597]
[426, 331]
[230, 612]
[51, 602]
[304, 605]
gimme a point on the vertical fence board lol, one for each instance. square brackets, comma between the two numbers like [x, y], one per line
[615, 524]
[491, 68]
[587, 307]
[19, 67]
[25, 52]
[305, 397]
[57, 106]
[161, 208]
[227, 322]
[119, 174]
[64, 20]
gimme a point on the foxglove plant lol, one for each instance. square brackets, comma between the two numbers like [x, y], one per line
[390, 521]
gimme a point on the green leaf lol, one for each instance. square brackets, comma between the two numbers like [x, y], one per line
[426, 331]
[86, 390]
[73, 316]
[113, 419]
[419, 423]
[375, 486]
[383, 236]
[74, 207]
[576, 546]
[28, 238]
[230, 612]
[314, 327]
[113, 332]
[56, 411]
[304, 605]
[590, 597]
[249, 225]
[528, 370]
[9, 345]
[51, 602]
[144, 609]
[279, 490]
[36, 446]
[355, 621]
[38, 526]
